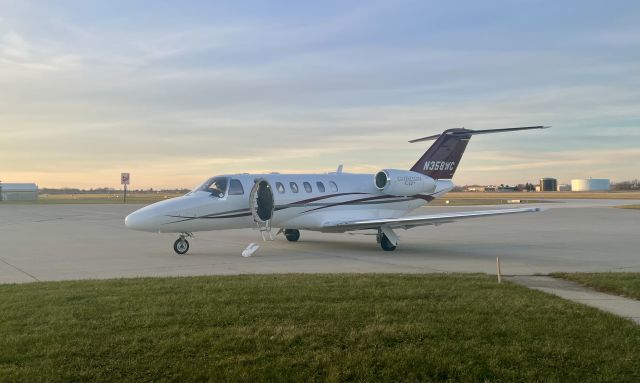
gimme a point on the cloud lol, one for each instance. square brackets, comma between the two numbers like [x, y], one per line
[515, 167]
[18, 53]
[177, 94]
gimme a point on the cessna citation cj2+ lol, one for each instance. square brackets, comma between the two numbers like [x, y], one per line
[332, 203]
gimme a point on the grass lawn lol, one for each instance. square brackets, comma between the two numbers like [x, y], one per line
[482, 202]
[308, 328]
[132, 198]
[454, 198]
[626, 284]
[544, 195]
[629, 207]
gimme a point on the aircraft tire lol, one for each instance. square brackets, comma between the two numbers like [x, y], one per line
[386, 244]
[181, 246]
[292, 235]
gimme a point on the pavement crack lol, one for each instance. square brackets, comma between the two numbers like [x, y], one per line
[20, 270]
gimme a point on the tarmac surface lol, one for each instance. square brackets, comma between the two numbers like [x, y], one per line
[62, 242]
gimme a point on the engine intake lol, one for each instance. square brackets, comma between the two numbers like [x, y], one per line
[403, 182]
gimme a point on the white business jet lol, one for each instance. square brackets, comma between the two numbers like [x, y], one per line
[331, 203]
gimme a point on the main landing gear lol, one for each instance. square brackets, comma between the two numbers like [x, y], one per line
[387, 239]
[181, 245]
[292, 235]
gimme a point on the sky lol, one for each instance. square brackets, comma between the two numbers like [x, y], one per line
[175, 92]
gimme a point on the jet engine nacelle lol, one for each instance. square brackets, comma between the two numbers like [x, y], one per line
[403, 182]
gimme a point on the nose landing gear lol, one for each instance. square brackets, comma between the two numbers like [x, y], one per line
[181, 245]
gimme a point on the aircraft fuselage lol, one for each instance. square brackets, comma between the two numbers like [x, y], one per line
[302, 201]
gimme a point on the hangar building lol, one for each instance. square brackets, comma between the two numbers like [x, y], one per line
[18, 192]
[591, 184]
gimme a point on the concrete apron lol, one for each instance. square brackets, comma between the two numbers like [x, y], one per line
[624, 307]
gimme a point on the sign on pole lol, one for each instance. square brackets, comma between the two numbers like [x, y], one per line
[124, 180]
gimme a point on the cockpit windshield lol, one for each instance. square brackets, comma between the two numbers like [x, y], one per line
[216, 186]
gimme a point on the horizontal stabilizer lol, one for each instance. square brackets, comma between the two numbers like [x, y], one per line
[465, 133]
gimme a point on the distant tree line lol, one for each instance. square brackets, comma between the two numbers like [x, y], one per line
[618, 186]
[527, 187]
[626, 185]
[520, 187]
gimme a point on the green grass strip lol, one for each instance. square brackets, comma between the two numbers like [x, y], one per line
[308, 328]
[635, 207]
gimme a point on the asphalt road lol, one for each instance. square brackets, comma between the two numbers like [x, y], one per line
[60, 242]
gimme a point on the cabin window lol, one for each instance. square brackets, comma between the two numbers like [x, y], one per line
[293, 186]
[307, 187]
[333, 186]
[320, 186]
[235, 187]
[280, 187]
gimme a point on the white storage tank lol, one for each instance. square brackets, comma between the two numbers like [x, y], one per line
[591, 184]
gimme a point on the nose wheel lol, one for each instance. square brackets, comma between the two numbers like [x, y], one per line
[181, 245]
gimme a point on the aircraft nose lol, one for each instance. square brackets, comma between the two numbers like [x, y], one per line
[139, 220]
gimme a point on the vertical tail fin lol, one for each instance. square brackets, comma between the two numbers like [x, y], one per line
[441, 160]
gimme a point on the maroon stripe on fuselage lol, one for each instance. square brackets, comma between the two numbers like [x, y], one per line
[323, 197]
[352, 202]
[245, 214]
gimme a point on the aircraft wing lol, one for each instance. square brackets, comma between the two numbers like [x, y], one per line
[419, 220]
